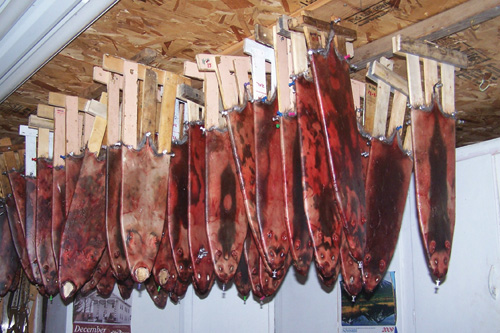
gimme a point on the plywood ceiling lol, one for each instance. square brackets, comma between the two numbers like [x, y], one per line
[178, 30]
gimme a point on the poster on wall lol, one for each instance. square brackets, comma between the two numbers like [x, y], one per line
[94, 314]
[375, 312]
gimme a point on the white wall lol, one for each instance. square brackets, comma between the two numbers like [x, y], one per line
[463, 303]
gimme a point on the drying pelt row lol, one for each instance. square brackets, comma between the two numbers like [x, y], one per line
[241, 204]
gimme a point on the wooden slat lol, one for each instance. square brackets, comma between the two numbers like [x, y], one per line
[227, 81]
[58, 99]
[264, 35]
[397, 113]
[73, 135]
[5, 165]
[377, 72]
[281, 52]
[129, 112]
[113, 131]
[370, 105]
[188, 93]
[448, 89]
[81, 128]
[147, 120]
[313, 38]
[382, 102]
[430, 78]
[59, 136]
[211, 90]
[115, 65]
[88, 124]
[358, 91]
[167, 113]
[431, 29]
[96, 108]
[414, 80]
[45, 111]
[305, 20]
[43, 143]
[405, 45]
[38, 122]
[242, 68]
[407, 145]
[95, 140]
[191, 70]
[299, 51]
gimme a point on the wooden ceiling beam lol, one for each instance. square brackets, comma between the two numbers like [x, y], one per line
[461, 17]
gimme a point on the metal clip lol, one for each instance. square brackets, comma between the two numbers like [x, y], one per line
[202, 253]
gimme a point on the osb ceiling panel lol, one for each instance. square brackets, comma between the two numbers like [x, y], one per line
[178, 30]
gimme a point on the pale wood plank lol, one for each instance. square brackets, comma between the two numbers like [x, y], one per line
[129, 112]
[211, 89]
[38, 122]
[88, 124]
[45, 111]
[113, 134]
[147, 121]
[95, 140]
[398, 110]
[43, 143]
[73, 135]
[405, 45]
[414, 80]
[59, 136]
[58, 99]
[167, 113]
[448, 89]
[227, 81]
[382, 102]
[299, 51]
[370, 106]
[430, 78]
[282, 71]
[242, 68]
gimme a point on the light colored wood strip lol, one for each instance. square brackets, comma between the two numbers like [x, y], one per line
[358, 91]
[211, 90]
[299, 51]
[129, 112]
[408, 145]
[242, 68]
[115, 65]
[370, 106]
[227, 81]
[430, 78]
[414, 80]
[313, 38]
[5, 188]
[435, 27]
[448, 89]
[45, 111]
[81, 129]
[191, 70]
[38, 122]
[264, 35]
[382, 102]
[398, 110]
[43, 143]
[59, 136]
[379, 72]
[405, 45]
[88, 124]
[58, 99]
[282, 71]
[167, 115]
[73, 135]
[147, 121]
[95, 140]
[96, 108]
[113, 134]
